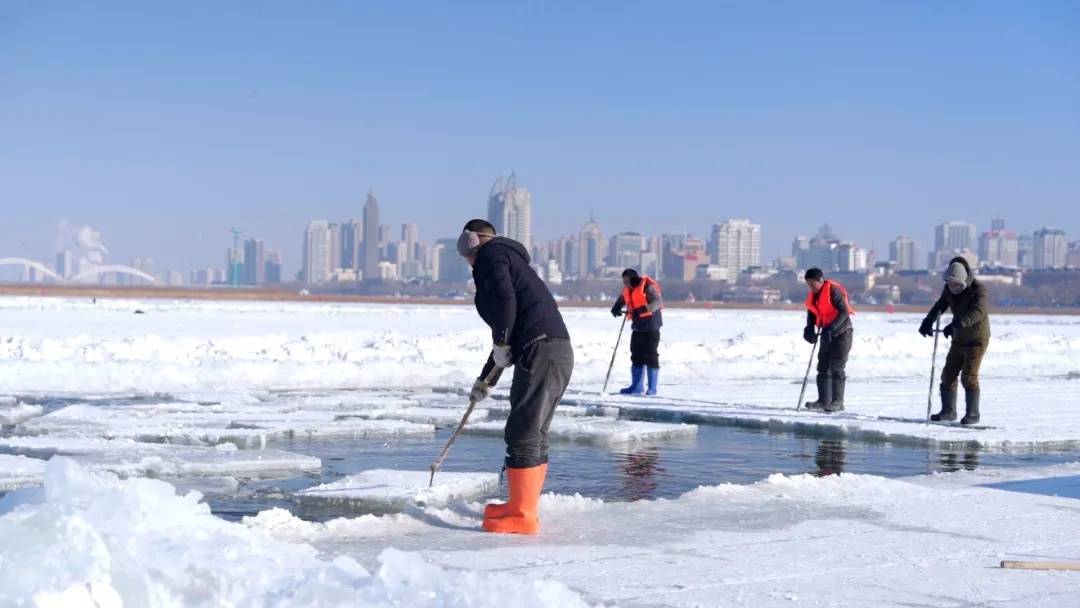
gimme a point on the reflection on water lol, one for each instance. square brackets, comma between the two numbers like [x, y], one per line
[640, 471]
[829, 457]
[955, 461]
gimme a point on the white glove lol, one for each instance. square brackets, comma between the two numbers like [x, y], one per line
[480, 391]
[500, 354]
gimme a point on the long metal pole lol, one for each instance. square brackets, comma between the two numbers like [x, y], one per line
[460, 427]
[613, 354]
[933, 372]
[810, 364]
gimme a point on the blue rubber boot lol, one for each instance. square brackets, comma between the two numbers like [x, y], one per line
[653, 382]
[637, 372]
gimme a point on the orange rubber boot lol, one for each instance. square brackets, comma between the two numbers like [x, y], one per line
[521, 515]
[498, 509]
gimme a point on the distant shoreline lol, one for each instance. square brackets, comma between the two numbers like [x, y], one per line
[280, 295]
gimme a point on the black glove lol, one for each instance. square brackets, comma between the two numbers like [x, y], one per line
[927, 327]
[809, 334]
[617, 311]
[640, 310]
[948, 331]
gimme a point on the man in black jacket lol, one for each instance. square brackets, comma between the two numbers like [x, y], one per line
[527, 332]
[969, 331]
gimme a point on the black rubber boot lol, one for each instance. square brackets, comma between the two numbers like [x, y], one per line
[948, 406]
[838, 384]
[971, 399]
[824, 392]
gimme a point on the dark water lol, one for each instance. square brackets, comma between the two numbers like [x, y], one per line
[665, 470]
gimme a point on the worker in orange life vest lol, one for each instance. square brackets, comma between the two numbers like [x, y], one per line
[642, 302]
[828, 319]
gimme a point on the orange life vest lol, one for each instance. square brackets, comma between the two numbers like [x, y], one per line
[634, 297]
[821, 305]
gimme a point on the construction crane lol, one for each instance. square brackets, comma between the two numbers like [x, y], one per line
[234, 258]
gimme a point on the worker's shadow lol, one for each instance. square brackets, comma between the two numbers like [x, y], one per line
[455, 516]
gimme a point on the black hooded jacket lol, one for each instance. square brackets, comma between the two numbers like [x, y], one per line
[971, 319]
[511, 298]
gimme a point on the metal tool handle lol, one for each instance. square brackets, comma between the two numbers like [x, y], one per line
[613, 355]
[810, 364]
[933, 371]
[460, 427]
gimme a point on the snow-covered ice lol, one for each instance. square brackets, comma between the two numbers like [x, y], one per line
[728, 366]
[848, 540]
[92, 540]
[600, 430]
[17, 471]
[132, 458]
[393, 490]
[192, 423]
[14, 412]
[208, 375]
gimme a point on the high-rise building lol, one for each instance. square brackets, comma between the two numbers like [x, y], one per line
[451, 267]
[63, 264]
[371, 238]
[591, 247]
[335, 245]
[904, 251]
[625, 250]
[735, 245]
[410, 234]
[999, 247]
[1051, 248]
[954, 236]
[1025, 256]
[317, 253]
[352, 243]
[234, 266]
[1072, 259]
[272, 267]
[254, 269]
[510, 211]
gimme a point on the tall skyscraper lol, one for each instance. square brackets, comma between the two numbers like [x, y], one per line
[510, 211]
[335, 246]
[63, 264]
[452, 268]
[998, 246]
[591, 249]
[625, 250]
[254, 272]
[352, 239]
[317, 252]
[272, 267]
[1051, 248]
[371, 238]
[954, 236]
[735, 245]
[410, 234]
[904, 251]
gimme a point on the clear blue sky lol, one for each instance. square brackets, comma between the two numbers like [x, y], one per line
[165, 124]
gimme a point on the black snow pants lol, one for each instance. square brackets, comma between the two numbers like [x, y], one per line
[541, 374]
[644, 348]
[833, 356]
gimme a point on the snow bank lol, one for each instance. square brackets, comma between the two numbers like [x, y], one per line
[49, 345]
[94, 540]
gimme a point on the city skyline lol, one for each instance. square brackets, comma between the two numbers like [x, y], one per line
[338, 251]
[908, 115]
